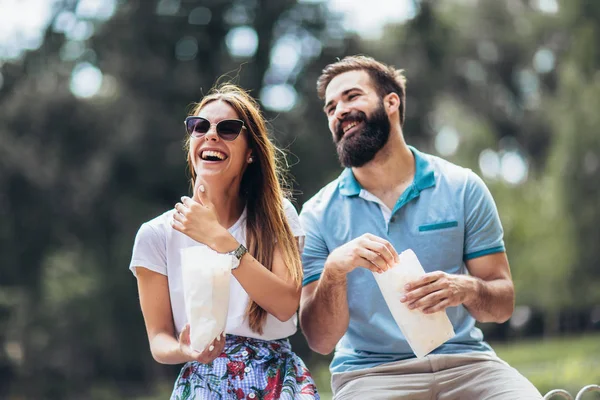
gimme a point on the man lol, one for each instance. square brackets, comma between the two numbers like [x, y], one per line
[390, 198]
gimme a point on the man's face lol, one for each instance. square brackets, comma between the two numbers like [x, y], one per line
[357, 118]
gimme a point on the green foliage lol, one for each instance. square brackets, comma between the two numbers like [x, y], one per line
[78, 176]
[568, 363]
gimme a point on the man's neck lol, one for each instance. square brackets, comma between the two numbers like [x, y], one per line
[391, 171]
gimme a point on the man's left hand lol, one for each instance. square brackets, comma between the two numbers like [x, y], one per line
[437, 291]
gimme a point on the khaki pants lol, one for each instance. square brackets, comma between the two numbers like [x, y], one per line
[472, 376]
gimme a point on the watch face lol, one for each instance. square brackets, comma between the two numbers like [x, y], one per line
[240, 251]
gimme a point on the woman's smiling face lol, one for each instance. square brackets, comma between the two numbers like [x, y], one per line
[212, 156]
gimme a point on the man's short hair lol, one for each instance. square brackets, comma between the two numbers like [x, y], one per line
[385, 78]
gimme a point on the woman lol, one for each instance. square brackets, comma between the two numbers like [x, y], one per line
[238, 203]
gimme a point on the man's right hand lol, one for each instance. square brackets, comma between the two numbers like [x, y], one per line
[367, 251]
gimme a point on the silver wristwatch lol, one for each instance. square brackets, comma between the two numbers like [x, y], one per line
[237, 256]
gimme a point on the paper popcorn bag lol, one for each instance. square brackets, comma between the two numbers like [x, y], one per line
[424, 332]
[206, 275]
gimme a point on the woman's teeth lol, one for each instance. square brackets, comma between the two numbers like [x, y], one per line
[211, 155]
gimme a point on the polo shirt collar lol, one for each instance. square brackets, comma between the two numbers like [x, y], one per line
[424, 176]
[348, 184]
[424, 173]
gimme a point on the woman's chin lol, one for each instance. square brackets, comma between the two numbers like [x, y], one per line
[213, 175]
[210, 169]
[208, 174]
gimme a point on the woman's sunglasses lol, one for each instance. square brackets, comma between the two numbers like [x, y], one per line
[228, 129]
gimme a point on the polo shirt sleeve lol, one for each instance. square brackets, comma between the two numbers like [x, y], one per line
[149, 250]
[315, 250]
[483, 230]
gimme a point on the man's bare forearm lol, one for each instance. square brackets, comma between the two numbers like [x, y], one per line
[492, 301]
[324, 316]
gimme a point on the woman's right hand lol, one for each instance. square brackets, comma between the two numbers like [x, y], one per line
[208, 355]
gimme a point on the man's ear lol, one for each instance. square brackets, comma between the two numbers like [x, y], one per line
[391, 102]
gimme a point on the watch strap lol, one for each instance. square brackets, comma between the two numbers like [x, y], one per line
[238, 254]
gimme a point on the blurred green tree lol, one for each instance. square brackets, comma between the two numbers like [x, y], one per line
[80, 174]
[488, 82]
[516, 81]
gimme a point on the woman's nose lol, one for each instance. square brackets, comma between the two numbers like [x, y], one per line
[211, 134]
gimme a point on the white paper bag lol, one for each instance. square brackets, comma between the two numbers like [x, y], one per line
[206, 275]
[424, 332]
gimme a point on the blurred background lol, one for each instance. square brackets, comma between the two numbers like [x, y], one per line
[92, 98]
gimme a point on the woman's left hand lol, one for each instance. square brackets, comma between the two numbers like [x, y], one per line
[197, 218]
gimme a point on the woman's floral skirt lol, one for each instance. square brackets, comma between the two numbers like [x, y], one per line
[248, 369]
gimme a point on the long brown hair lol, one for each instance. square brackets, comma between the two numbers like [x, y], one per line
[262, 189]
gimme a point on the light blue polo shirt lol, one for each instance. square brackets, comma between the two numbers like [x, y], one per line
[446, 216]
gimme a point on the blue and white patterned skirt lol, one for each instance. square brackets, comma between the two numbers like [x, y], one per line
[250, 369]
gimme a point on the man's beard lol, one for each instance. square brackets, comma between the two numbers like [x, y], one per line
[361, 147]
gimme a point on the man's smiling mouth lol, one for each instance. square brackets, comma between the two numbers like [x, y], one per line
[348, 127]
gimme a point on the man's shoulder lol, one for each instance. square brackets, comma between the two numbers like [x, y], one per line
[447, 171]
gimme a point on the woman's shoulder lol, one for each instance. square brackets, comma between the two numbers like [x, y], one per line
[292, 217]
[288, 206]
[159, 224]
[289, 209]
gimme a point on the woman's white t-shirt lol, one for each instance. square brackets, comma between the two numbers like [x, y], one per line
[157, 247]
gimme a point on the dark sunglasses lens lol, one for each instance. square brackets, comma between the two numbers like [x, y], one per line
[229, 129]
[197, 126]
